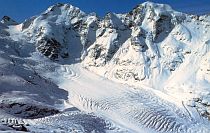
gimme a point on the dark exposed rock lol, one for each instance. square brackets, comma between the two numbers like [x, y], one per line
[8, 21]
[139, 44]
[163, 26]
[135, 17]
[27, 23]
[50, 48]
[96, 51]
[15, 124]
[27, 111]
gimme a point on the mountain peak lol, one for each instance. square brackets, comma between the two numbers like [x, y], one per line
[61, 7]
[156, 6]
[8, 21]
[153, 7]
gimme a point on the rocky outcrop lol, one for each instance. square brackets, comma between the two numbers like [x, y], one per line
[8, 21]
[28, 111]
[50, 48]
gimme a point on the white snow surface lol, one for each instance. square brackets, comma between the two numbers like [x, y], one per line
[146, 71]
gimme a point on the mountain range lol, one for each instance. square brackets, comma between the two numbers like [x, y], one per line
[147, 70]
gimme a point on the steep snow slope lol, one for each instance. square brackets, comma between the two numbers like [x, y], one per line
[159, 57]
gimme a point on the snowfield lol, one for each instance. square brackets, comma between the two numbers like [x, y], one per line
[146, 71]
[135, 108]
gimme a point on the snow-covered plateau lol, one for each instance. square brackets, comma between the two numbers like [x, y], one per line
[146, 71]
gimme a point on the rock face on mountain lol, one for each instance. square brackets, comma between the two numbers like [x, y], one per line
[8, 21]
[61, 31]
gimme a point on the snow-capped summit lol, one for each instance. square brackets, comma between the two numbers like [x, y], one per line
[59, 30]
[63, 13]
[157, 7]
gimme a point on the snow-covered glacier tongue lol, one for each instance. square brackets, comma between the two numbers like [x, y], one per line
[144, 71]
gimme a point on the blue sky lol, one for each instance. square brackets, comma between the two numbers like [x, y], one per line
[20, 10]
